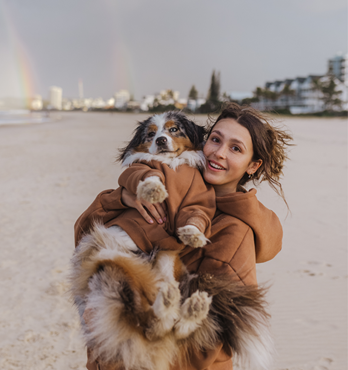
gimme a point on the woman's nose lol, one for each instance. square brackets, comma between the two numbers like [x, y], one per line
[221, 152]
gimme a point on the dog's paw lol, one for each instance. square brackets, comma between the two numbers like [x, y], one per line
[191, 236]
[152, 190]
[166, 309]
[196, 307]
[193, 312]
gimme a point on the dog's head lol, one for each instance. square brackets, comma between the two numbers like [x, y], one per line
[167, 134]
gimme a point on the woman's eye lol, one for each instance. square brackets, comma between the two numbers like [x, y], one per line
[214, 139]
[173, 129]
[151, 134]
[235, 148]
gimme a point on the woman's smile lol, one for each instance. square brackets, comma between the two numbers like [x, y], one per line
[215, 166]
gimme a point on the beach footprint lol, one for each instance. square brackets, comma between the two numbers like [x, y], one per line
[323, 364]
[315, 268]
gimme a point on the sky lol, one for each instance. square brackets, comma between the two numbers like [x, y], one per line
[146, 46]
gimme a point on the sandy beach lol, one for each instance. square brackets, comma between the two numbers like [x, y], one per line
[51, 172]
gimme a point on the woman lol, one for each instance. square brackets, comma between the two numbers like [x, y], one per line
[240, 146]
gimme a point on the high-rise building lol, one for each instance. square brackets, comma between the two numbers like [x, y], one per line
[338, 66]
[56, 97]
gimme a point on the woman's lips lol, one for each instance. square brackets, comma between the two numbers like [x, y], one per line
[212, 163]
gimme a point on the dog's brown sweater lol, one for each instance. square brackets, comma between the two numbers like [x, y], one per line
[189, 198]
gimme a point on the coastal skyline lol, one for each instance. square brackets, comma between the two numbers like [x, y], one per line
[145, 47]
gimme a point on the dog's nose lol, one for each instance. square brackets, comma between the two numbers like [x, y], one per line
[161, 140]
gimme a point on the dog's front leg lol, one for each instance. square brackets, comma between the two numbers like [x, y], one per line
[152, 190]
[190, 235]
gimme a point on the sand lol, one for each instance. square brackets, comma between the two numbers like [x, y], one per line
[51, 172]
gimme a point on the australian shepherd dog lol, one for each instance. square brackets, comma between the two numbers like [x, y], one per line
[146, 311]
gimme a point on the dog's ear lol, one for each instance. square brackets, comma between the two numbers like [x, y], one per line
[194, 132]
[138, 138]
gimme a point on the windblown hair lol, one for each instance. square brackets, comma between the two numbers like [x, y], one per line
[269, 143]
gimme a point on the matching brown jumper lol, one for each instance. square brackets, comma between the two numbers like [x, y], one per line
[243, 233]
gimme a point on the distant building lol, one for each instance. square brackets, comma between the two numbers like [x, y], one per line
[121, 99]
[133, 105]
[83, 104]
[98, 103]
[299, 95]
[36, 103]
[56, 97]
[168, 95]
[67, 104]
[338, 65]
[165, 97]
[110, 103]
[147, 102]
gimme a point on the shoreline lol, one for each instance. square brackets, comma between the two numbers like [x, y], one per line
[27, 117]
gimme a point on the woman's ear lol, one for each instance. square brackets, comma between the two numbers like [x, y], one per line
[254, 166]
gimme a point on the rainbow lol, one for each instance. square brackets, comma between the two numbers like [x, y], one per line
[22, 70]
[123, 70]
[124, 78]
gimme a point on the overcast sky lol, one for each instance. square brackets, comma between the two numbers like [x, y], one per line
[149, 45]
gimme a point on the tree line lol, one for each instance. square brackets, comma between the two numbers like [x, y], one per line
[328, 88]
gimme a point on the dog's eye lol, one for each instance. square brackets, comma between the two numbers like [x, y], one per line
[173, 129]
[151, 134]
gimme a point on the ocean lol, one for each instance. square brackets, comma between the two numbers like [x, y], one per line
[23, 116]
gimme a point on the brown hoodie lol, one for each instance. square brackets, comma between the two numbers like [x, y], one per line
[190, 198]
[243, 232]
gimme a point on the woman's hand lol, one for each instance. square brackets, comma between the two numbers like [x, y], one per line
[157, 210]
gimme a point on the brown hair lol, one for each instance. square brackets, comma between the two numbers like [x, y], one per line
[269, 143]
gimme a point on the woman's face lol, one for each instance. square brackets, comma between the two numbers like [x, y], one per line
[229, 152]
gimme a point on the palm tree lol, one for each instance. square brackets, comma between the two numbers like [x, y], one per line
[287, 92]
[193, 94]
[329, 92]
[213, 102]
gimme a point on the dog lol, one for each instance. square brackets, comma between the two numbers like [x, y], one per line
[148, 312]
[165, 143]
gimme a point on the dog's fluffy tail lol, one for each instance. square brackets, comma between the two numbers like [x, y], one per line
[240, 314]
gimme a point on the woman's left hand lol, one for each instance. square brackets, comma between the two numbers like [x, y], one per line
[157, 210]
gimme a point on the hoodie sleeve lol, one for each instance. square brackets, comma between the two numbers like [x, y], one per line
[137, 172]
[198, 206]
[105, 207]
[267, 229]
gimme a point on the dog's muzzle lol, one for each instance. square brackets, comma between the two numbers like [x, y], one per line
[161, 141]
